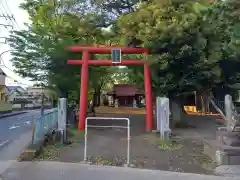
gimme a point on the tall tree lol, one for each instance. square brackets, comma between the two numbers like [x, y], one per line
[39, 50]
[171, 30]
[221, 28]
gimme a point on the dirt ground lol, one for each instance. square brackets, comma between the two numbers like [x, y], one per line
[108, 146]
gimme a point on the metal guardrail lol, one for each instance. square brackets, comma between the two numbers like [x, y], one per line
[43, 125]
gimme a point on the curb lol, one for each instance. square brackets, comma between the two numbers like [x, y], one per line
[31, 151]
[5, 143]
[9, 115]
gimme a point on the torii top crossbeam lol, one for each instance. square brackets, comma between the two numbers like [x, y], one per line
[106, 50]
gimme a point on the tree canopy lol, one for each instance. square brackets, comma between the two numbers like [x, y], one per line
[194, 45]
[191, 43]
[39, 50]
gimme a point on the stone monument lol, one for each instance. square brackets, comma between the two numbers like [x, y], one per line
[162, 112]
[134, 103]
[225, 149]
[116, 103]
[62, 118]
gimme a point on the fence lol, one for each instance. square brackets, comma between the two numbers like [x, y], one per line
[43, 125]
[110, 126]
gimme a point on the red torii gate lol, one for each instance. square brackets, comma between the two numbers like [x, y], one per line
[85, 62]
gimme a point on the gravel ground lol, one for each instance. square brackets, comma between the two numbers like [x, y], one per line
[108, 146]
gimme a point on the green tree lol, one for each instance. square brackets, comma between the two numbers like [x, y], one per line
[39, 50]
[221, 28]
[171, 30]
[194, 45]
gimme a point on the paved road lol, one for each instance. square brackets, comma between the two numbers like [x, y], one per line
[13, 129]
[76, 171]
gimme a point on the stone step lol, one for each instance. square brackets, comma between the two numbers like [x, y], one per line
[222, 153]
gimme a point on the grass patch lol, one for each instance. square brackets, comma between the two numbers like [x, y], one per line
[163, 144]
[51, 151]
[116, 161]
[204, 161]
[168, 145]
[100, 161]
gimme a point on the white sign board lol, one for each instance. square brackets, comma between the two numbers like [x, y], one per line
[116, 56]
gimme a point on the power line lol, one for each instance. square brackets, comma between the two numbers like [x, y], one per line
[14, 78]
[4, 65]
[12, 17]
[5, 13]
[4, 24]
[8, 16]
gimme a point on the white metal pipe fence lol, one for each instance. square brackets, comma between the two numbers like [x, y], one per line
[107, 118]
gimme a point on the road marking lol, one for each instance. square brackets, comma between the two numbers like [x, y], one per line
[4, 143]
[22, 117]
[13, 127]
[24, 123]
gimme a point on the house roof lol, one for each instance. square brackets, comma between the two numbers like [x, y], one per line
[11, 88]
[125, 90]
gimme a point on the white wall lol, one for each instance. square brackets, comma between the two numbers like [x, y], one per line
[12, 96]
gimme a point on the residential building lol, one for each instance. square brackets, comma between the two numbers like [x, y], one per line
[13, 92]
[31, 97]
[4, 106]
[37, 91]
[2, 85]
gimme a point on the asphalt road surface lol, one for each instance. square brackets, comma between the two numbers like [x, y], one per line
[75, 171]
[15, 133]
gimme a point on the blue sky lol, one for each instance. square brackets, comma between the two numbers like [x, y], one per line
[11, 7]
